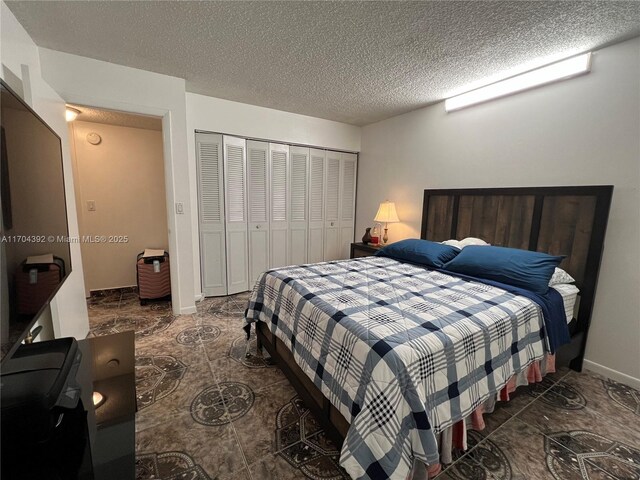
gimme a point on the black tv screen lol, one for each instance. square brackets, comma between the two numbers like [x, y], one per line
[35, 258]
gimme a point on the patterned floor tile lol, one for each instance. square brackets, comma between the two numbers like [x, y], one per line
[588, 449]
[156, 377]
[256, 428]
[198, 334]
[104, 299]
[230, 332]
[246, 353]
[445, 476]
[101, 315]
[225, 307]
[165, 397]
[240, 475]
[168, 466]
[168, 345]
[519, 400]
[607, 396]
[208, 411]
[518, 452]
[301, 441]
[564, 416]
[222, 403]
[226, 368]
[497, 418]
[116, 324]
[214, 448]
[274, 467]
[466, 465]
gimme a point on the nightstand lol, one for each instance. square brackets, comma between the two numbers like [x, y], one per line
[361, 250]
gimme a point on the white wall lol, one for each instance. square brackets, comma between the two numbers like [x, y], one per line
[19, 57]
[101, 84]
[578, 132]
[124, 176]
[91, 82]
[223, 116]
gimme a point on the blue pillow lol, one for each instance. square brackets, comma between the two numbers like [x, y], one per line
[422, 252]
[520, 268]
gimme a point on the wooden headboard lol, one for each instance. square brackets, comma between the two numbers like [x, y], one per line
[567, 221]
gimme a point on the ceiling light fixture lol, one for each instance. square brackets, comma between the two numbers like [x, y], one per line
[562, 70]
[71, 114]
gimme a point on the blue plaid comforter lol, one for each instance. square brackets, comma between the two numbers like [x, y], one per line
[403, 352]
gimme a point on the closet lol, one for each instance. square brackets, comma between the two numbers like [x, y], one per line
[266, 205]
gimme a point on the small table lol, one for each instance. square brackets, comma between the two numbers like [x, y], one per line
[87, 442]
[364, 250]
[109, 368]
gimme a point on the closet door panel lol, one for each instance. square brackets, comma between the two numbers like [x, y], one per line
[298, 246]
[316, 245]
[258, 208]
[316, 205]
[298, 200]
[258, 254]
[235, 168]
[278, 253]
[237, 262]
[211, 214]
[213, 263]
[332, 244]
[332, 250]
[279, 208]
[348, 166]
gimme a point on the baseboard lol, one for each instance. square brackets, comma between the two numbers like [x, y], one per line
[612, 374]
[113, 289]
[188, 310]
[199, 297]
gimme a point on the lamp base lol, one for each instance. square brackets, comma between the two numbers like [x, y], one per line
[385, 237]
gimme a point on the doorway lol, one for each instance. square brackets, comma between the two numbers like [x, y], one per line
[118, 171]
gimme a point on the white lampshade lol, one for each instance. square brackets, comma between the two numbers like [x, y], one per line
[387, 213]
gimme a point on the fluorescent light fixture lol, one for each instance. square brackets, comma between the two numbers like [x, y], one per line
[562, 70]
[71, 114]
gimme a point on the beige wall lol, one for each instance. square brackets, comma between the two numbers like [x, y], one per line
[124, 175]
[577, 132]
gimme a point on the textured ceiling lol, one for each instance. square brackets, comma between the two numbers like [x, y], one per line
[355, 62]
[112, 117]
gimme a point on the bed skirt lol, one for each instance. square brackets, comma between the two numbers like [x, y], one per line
[455, 437]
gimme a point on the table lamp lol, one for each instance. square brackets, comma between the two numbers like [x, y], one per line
[386, 214]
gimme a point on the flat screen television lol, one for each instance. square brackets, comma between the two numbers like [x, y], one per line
[35, 258]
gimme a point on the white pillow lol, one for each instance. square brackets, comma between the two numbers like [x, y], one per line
[465, 243]
[560, 276]
[453, 243]
[473, 241]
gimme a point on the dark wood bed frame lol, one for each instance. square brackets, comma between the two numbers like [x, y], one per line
[567, 221]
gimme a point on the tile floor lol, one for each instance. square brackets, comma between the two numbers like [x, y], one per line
[208, 412]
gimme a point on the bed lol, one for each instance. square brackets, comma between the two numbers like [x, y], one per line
[389, 354]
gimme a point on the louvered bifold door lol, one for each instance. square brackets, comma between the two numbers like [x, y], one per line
[213, 268]
[316, 206]
[235, 179]
[299, 202]
[347, 201]
[279, 208]
[332, 250]
[258, 205]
